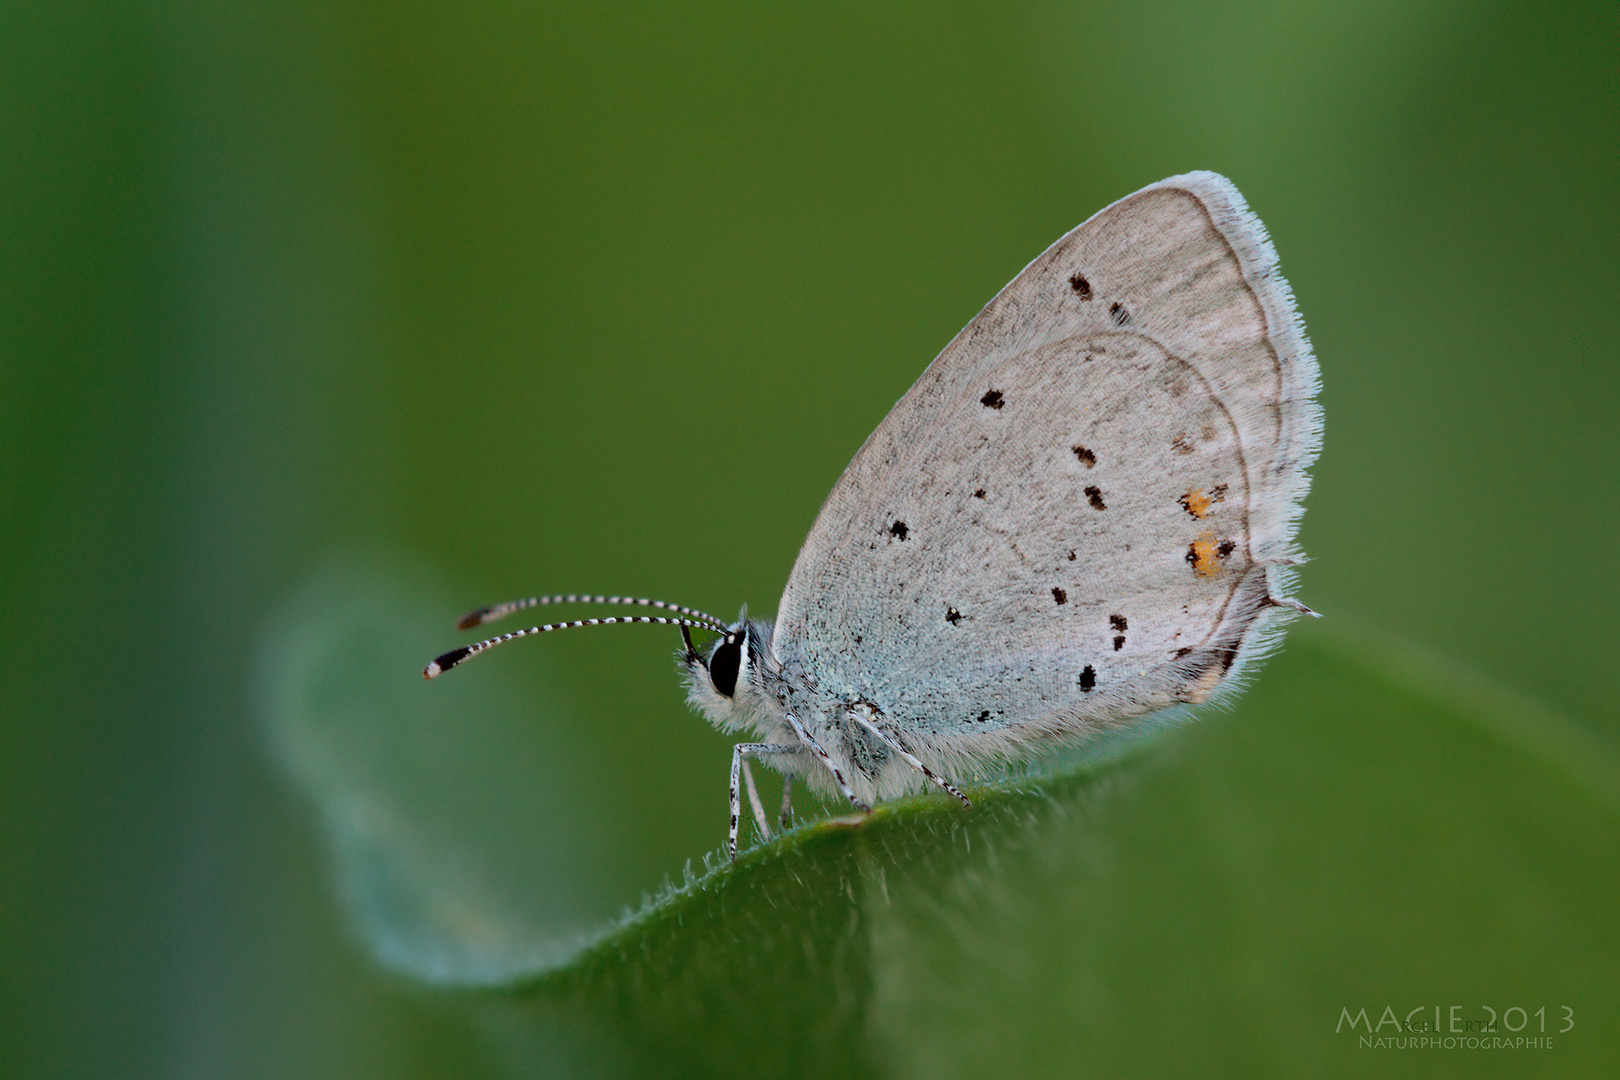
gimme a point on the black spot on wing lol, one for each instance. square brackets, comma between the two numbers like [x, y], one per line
[1081, 287]
[899, 530]
[1088, 678]
[1059, 595]
[952, 616]
[1094, 497]
[1120, 315]
[1118, 625]
[979, 494]
[1087, 458]
[992, 399]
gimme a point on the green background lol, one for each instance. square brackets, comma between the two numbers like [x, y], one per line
[313, 312]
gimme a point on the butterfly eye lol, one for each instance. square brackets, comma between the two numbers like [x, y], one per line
[724, 664]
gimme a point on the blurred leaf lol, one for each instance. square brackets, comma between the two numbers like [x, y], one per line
[1355, 838]
[465, 839]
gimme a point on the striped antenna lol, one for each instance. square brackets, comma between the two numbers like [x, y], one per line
[454, 657]
[500, 611]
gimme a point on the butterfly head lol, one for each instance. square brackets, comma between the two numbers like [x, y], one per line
[724, 678]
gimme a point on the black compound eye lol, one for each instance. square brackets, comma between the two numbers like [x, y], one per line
[724, 664]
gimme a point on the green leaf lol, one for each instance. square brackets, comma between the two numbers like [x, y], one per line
[1364, 830]
[1344, 839]
[463, 829]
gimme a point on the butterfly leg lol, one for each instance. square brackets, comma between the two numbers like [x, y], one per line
[837, 774]
[787, 801]
[908, 757]
[738, 764]
[753, 800]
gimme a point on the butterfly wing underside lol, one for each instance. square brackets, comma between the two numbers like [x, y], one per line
[1085, 508]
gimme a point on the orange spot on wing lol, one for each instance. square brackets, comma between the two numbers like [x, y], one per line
[1199, 502]
[1204, 555]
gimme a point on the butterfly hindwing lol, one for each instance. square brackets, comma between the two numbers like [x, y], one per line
[1073, 517]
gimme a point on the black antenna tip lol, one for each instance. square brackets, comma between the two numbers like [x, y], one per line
[472, 619]
[445, 662]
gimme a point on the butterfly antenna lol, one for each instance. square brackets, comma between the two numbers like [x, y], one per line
[445, 661]
[500, 611]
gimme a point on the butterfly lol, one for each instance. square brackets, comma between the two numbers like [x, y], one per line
[1084, 512]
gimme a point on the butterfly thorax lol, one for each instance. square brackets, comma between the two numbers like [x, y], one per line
[741, 685]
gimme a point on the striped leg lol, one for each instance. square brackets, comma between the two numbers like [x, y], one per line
[908, 757]
[838, 777]
[738, 754]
